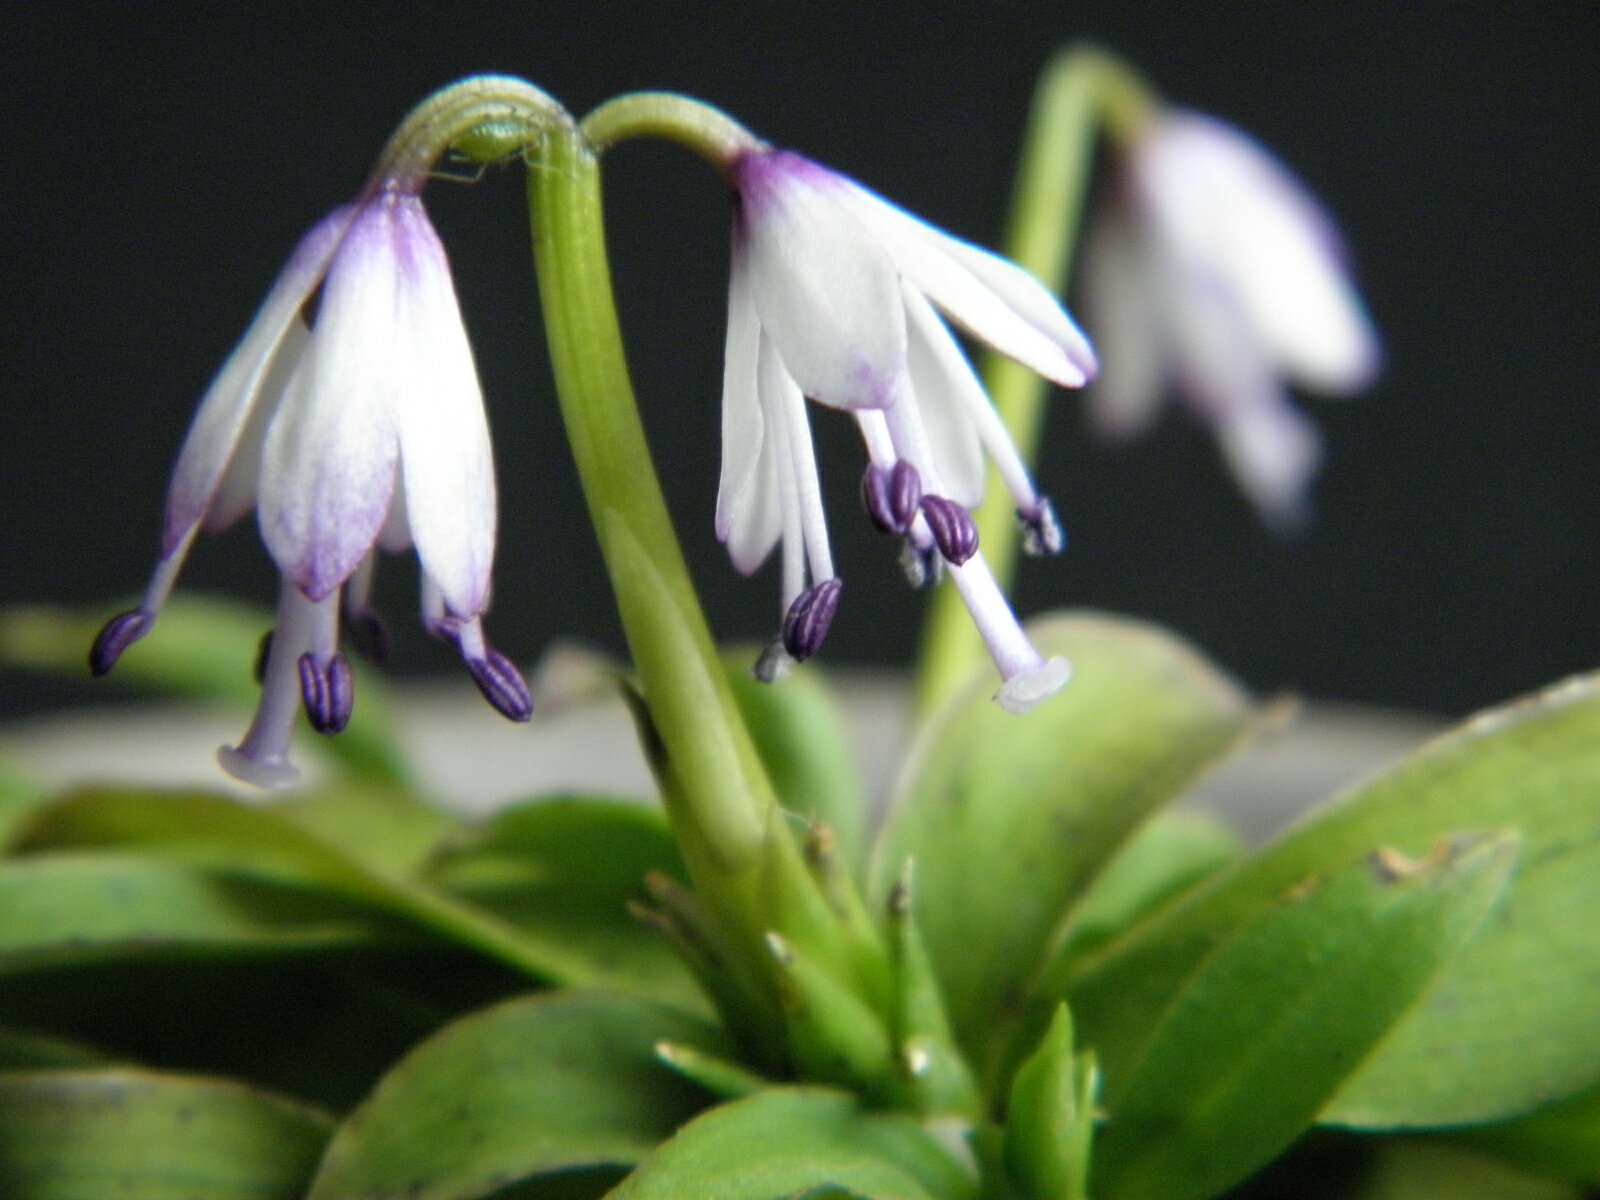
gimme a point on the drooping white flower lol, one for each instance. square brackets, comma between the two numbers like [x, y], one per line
[1214, 273]
[836, 295]
[365, 428]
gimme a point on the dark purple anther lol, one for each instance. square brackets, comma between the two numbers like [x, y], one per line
[115, 636]
[370, 635]
[806, 623]
[328, 692]
[502, 684]
[954, 531]
[1041, 529]
[263, 652]
[890, 495]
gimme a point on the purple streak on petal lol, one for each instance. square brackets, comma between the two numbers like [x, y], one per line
[954, 531]
[115, 636]
[891, 496]
[1041, 528]
[502, 684]
[806, 623]
[370, 634]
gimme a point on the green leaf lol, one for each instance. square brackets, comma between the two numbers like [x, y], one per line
[800, 735]
[281, 845]
[565, 869]
[1045, 798]
[1562, 1139]
[140, 1135]
[1429, 1169]
[1511, 1023]
[201, 647]
[24, 1049]
[789, 1142]
[1050, 1117]
[533, 1087]
[1258, 1037]
[88, 907]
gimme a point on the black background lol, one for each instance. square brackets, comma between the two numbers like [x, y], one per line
[163, 158]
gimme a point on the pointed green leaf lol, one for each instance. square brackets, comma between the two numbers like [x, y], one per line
[566, 869]
[277, 844]
[1050, 1117]
[143, 1135]
[791, 1142]
[1283, 1011]
[1511, 1023]
[1046, 798]
[532, 1087]
[25, 1049]
[800, 735]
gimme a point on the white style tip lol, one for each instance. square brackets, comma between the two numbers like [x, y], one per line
[1021, 692]
[279, 774]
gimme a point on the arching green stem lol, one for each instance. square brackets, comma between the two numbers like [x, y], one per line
[747, 870]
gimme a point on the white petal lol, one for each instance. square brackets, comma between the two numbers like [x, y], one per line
[1121, 302]
[328, 468]
[766, 507]
[1223, 197]
[236, 491]
[223, 412]
[741, 406]
[825, 291]
[786, 406]
[446, 463]
[994, 300]
[943, 384]
[1273, 451]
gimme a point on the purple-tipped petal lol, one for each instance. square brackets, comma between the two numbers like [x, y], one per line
[328, 692]
[115, 636]
[1041, 528]
[954, 531]
[806, 623]
[824, 288]
[328, 466]
[891, 496]
[502, 684]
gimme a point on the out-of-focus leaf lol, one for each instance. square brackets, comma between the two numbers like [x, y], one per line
[319, 1025]
[533, 1087]
[792, 1142]
[201, 647]
[1428, 1169]
[1561, 1140]
[1010, 818]
[87, 907]
[274, 844]
[141, 1135]
[800, 735]
[25, 1049]
[1512, 1022]
[565, 869]
[1282, 1011]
